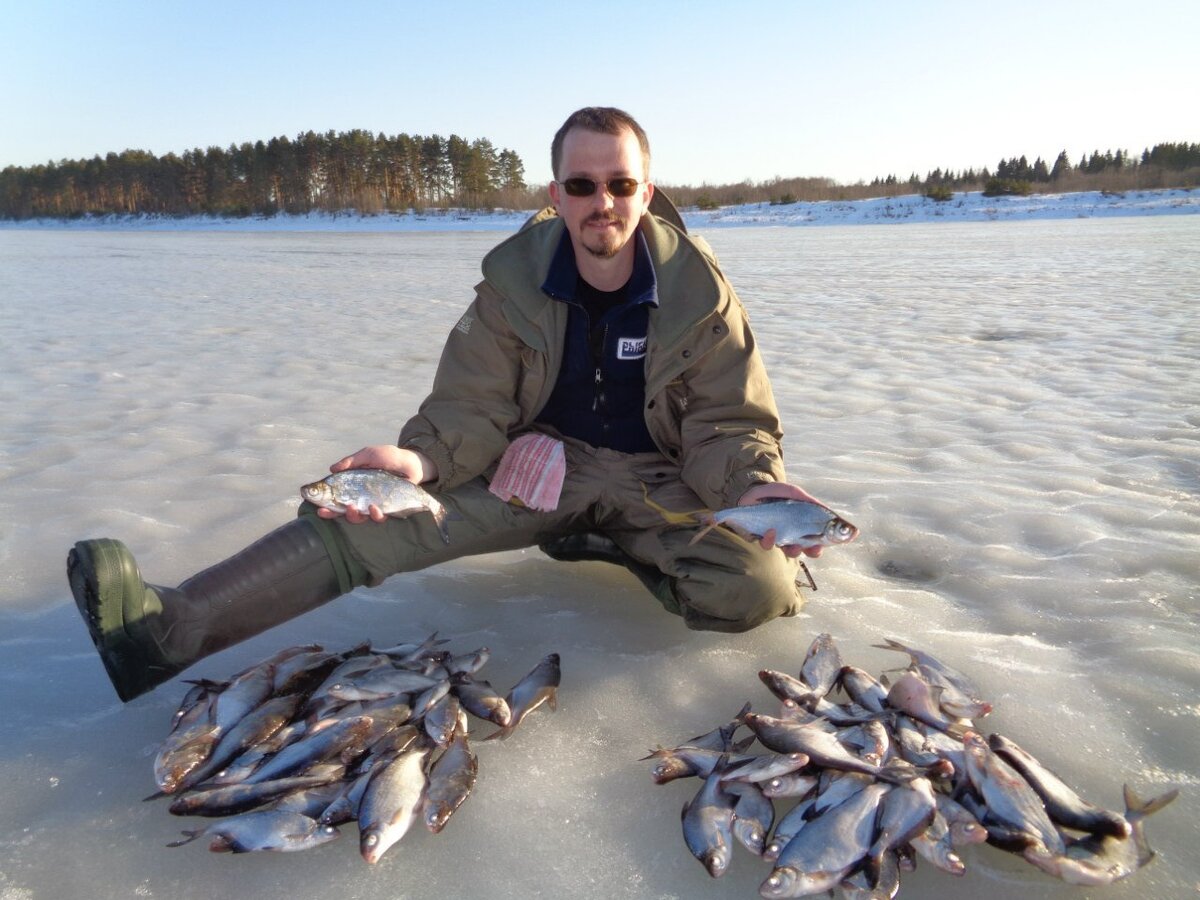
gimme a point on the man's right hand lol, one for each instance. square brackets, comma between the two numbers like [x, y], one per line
[410, 464]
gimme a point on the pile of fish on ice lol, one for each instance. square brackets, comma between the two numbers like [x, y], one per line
[894, 768]
[291, 748]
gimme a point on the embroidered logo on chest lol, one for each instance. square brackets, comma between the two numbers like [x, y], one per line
[631, 347]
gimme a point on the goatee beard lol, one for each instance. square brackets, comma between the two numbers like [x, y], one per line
[607, 248]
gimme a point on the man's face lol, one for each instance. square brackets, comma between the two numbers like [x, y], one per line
[601, 224]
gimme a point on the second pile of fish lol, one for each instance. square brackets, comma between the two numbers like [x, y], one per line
[881, 771]
[307, 740]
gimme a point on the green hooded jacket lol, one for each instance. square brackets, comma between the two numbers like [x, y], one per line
[709, 406]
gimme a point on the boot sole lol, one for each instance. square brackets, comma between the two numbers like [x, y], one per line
[102, 575]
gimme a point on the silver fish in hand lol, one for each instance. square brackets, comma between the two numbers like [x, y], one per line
[360, 489]
[796, 523]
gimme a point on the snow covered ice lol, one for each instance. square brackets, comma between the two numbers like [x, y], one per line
[1008, 409]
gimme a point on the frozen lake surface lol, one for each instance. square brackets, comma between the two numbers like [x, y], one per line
[1010, 412]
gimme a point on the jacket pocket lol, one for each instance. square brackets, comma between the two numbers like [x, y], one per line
[664, 415]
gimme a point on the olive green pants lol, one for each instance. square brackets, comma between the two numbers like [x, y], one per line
[720, 583]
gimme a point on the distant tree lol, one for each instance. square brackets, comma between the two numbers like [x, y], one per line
[435, 169]
[1062, 167]
[458, 157]
[512, 171]
[1174, 156]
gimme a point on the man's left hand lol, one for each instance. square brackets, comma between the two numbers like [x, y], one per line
[779, 490]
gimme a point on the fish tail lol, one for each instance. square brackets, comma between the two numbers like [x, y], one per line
[670, 517]
[1136, 806]
[740, 718]
[440, 515]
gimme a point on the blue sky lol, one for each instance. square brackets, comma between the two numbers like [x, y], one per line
[847, 90]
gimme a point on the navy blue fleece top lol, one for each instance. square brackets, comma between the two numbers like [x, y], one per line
[600, 391]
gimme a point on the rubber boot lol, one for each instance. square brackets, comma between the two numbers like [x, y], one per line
[594, 546]
[147, 634]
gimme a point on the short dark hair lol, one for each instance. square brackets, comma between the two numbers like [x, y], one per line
[606, 120]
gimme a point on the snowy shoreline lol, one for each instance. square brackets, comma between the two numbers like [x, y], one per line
[963, 207]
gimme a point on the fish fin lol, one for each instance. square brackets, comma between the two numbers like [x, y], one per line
[552, 700]
[744, 533]
[898, 771]
[503, 733]
[204, 682]
[744, 745]
[959, 729]
[190, 836]
[709, 526]
[155, 796]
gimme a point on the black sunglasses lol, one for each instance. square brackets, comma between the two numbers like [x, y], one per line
[585, 187]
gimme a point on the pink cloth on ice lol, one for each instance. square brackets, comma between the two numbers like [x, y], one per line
[532, 470]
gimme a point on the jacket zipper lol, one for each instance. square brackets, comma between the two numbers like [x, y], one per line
[598, 359]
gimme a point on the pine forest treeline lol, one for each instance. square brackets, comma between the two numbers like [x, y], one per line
[331, 172]
[1162, 166]
[372, 173]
